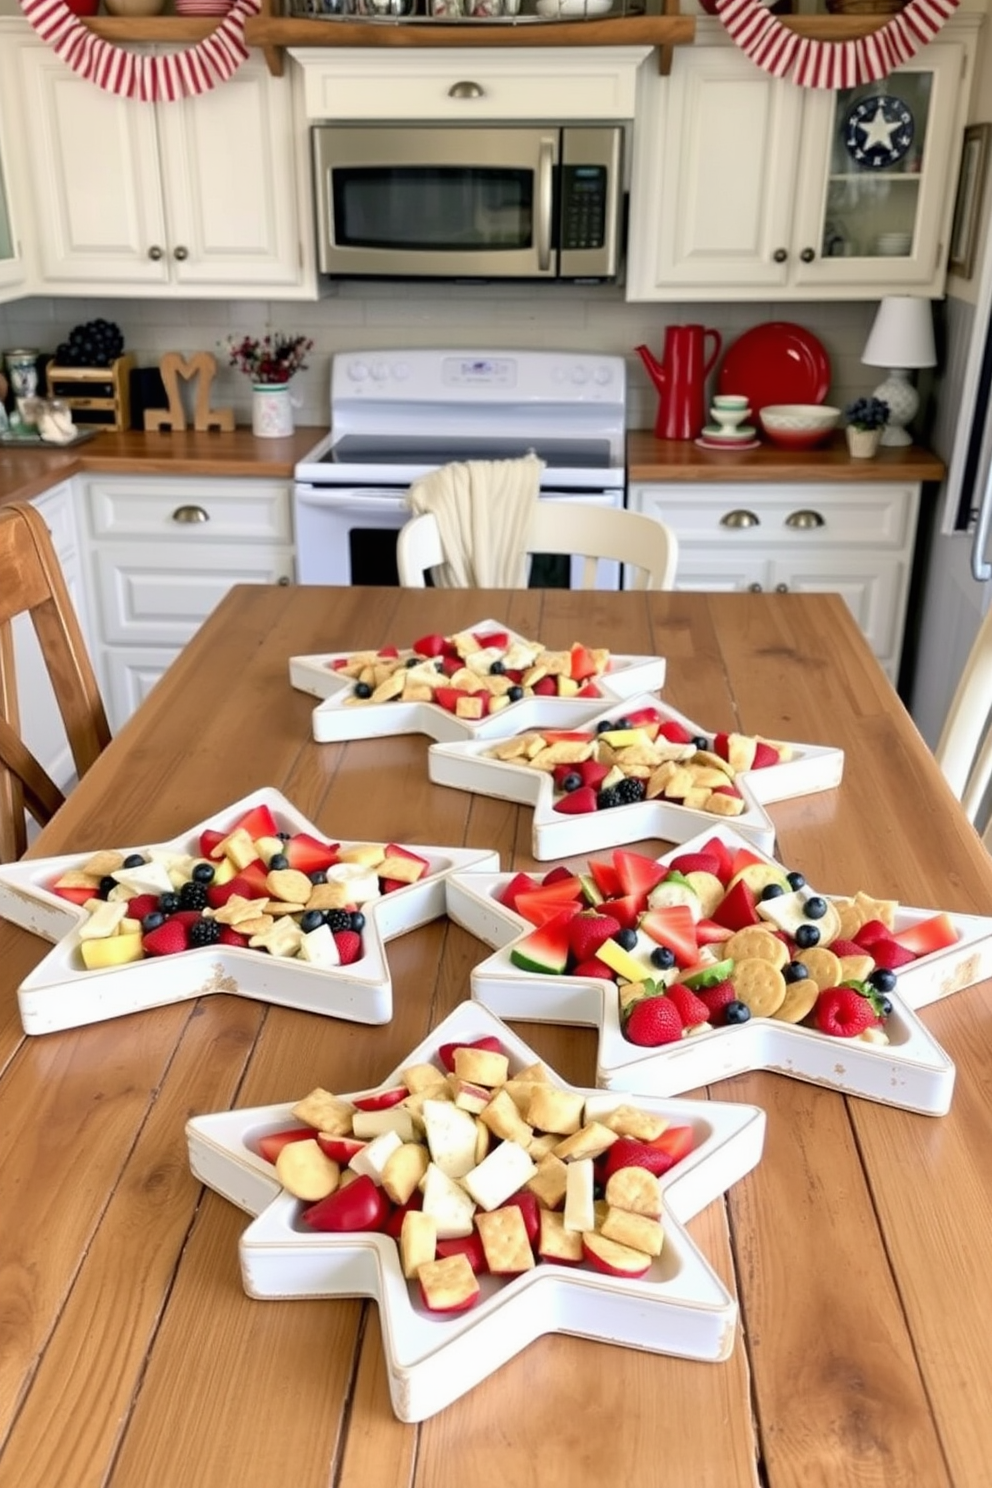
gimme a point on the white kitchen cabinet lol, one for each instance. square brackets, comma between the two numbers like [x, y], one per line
[12, 270]
[853, 540]
[41, 722]
[203, 195]
[162, 553]
[743, 186]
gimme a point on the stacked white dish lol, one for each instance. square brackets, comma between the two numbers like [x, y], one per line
[729, 427]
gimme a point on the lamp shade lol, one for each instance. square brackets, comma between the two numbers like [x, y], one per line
[902, 334]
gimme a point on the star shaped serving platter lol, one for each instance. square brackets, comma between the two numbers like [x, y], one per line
[338, 717]
[912, 1071]
[679, 1307]
[62, 993]
[555, 834]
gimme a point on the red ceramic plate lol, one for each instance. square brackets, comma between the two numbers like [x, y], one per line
[777, 362]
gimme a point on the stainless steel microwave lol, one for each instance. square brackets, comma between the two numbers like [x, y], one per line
[469, 201]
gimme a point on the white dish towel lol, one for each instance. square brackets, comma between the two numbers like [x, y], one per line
[484, 510]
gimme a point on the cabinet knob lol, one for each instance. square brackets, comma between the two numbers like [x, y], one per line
[805, 519]
[781, 588]
[739, 518]
[180, 253]
[284, 580]
[808, 255]
[466, 90]
[190, 514]
[754, 589]
[155, 252]
[780, 255]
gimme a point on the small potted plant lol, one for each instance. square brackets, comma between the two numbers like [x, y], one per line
[270, 361]
[866, 418]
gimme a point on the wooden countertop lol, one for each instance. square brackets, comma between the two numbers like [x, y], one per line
[858, 1246]
[650, 459]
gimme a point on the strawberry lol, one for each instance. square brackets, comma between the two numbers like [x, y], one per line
[231, 937]
[870, 931]
[654, 1021]
[169, 938]
[674, 732]
[764, 755]
[587, 932]
[578, 802]
[847, 948]
[715, 999]
[557, 875]
[546, 687]
[696, 862]
[429, 645]
[594, 968]
[889, 955]
[141, 905]
[692, 1010]
[349, 944]
[592, 772]
[843, 1012]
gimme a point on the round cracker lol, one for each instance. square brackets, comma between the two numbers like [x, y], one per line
[756, 942]
[822, 965]
[760, 985]
[799, 1000]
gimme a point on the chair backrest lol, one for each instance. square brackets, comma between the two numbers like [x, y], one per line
[32, 584]
[964, 751]
[646, 547]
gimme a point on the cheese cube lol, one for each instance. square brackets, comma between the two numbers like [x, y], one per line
[448, 1204]
[579, 1211]
[368, 1124]
[375, 1154]
[500, 1174]
[451, 1137]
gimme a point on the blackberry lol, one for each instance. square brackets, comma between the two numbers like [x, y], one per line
[278, 861]
[571, 782]
[663, 958]
[629, 791]
[311, 919]
[363, 690]
[134, 860]
[796, 880]
[192, 895]
[337, 919]
[605, 799]
[357, 921]
[169, 903]
[203, 873]
[204, 932]
[807, 936]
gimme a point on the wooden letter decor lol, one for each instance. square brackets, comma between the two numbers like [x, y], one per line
[173, 367]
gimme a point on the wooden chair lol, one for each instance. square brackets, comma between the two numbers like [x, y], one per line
[32, 584]
[964, 751]
[646, 547]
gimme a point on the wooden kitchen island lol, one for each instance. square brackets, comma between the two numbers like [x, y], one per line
[858, 1247]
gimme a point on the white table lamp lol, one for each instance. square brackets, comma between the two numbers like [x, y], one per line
[901, 338]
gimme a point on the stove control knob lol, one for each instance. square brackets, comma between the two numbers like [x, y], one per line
[580, 375]
[358, 371]
[401, 371]
[559, 374]
[380, 371]
[603, 375]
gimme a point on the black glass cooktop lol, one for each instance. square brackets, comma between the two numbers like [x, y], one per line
[388, 449]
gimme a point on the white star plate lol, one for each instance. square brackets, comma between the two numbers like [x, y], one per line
[912, 1071]
[679, 1307]
[335, 720]
[61, 993]
[557, 835]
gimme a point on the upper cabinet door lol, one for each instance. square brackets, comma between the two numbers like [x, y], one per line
[11, 268]
[873, 199]
[94, 173]
[716, 150]
[229, 183]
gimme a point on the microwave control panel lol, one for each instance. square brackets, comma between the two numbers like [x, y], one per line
[584, 190]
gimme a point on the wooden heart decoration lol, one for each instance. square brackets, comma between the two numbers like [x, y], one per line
[203, 367]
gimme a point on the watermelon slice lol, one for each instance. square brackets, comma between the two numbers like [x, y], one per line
[719, 849]
[934, 934]
[546, 948]
[696, 862]
[519, 882]
[627, 909]
[673, 927]
[210, 840]
[583, 664]
[636, 874]
[605, 877]
[743, 857]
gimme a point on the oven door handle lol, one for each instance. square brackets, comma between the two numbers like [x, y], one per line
[545, 202]
[347, 496]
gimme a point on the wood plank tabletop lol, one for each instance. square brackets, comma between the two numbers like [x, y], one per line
[130, 1356]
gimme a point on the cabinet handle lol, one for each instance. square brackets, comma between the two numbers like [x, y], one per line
[466, 90]
[284, 580]
[190, 514]
[805, 519]
[739, 518]
[781, 588]
[155, 252]
[181, 253]
[780, 255]
[808, 255]
[754, 589]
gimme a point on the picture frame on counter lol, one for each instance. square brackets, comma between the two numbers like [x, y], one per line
[968, 203]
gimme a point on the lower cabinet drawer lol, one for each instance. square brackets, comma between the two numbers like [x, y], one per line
[193, 512]
[750, 518]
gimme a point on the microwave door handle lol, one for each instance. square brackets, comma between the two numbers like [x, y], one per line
[545, 198]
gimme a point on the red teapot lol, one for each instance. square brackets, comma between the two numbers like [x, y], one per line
[681, 379]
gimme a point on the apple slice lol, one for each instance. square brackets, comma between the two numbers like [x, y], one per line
[613, 1258]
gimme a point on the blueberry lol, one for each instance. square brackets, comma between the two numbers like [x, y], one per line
[620, 723]
[604, 725]
[357, 921]
[363, 690]
[318, 876]
[699, 741]
[626, 939]
[203, 872]
[885, 1006]
[168, 903]
[571, 782]
[152, 920]
[882, 979]
[107, 884]
[311, 919]
[772, 891]
[796, 880]
[663, 958]
[497, 669]
[134, 860]
[795, 972]
[736, 1012]
[278, 861]
[815, 908]
[412, 661]
[515, 694]
[807, 936]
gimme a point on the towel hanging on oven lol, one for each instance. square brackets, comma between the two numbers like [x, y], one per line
[484, 510]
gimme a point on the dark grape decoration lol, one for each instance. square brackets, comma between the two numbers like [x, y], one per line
[98, 343]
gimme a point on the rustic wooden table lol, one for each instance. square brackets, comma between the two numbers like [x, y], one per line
[131, 1356]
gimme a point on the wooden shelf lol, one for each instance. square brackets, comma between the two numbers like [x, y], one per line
[152, 28]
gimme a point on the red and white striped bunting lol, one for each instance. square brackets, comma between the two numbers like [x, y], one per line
[832, 64]
[130, 74]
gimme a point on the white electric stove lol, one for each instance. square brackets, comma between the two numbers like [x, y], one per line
[395, 415]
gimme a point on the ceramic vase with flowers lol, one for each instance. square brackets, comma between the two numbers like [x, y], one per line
[866, 418]
[270, 361]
